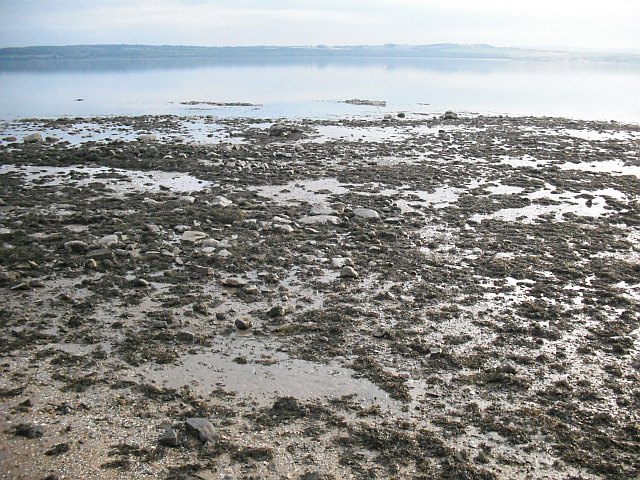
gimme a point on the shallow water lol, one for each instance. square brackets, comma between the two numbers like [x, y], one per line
[309, 89]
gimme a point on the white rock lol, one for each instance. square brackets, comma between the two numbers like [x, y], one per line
[224, 253]
[33, 138]
[321, 220]
[323, 209]
[349, 272]
[186, 199]
[193, 236]
[210, 243]
[283, 228]
[220, 202]
[366, 213]
[147, 138]
[108, 240]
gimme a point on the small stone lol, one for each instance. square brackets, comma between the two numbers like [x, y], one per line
[401, 115]
[210, 242]
[202, 270]
[91, 264]
[277, 130]
[282, 228]
[349, 272]
[58, 449]
[140, 282]
[10, 139]
[147, 137]
[277, 311]
[234, 282]
[323, 208]
[224, 253]
[185, 336]
[201, 308]
[108, 241]
[76, 246]
[101, 253]
[435, 350]
[321, 220]
[202, 429]
[379, 333]
[169, 438]
[449, 115]
[186, 200]
[29, 430]
[193, 236]
[220, 201]
[33, 138]
[243, 324]
[36, 283]
[366, 213]
[160, 325]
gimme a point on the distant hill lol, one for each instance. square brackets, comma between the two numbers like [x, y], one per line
[445, 50]
[96, 57]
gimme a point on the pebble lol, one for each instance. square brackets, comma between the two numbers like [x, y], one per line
[202, 429]
[186, 336]
[170, 438]
[160, 325]
[349, 272]
[209, 242]
[321, 220]
[193, 236]
[140, 282]
[186, 199]
[277, 311]
[100, 253]
[147, 137]
[108, 241]
[366, 213]
[220, 201]
[323, 208]
[242, 324]
[76, 246]
[33, 138]
[234, 282]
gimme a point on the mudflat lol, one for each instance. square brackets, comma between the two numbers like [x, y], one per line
[397, 297]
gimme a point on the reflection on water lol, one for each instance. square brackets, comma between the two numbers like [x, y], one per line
[312, 87]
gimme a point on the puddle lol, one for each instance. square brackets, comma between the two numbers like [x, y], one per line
[133, 181]
[614, 167]
[268, 374]
[310, 191]
[345, 133]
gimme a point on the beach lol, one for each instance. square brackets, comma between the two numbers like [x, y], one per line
[399, 296]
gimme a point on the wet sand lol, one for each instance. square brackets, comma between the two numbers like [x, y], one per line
[389, 297]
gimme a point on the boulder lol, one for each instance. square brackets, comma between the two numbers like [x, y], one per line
[33, 138]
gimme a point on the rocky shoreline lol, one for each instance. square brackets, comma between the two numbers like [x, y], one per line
[396, 297]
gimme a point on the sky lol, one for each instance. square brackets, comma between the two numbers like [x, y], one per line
[568, 24]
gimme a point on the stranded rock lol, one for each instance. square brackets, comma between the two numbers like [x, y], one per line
[321, 220]
[33, 138]
[366, 213]
[202, 429]
[147, 138]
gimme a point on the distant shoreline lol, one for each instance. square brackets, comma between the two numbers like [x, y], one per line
[180, 52]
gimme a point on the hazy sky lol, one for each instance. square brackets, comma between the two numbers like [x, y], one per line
[610, 24]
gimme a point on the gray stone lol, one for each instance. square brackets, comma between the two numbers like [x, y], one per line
[277, 311]
[234, 282]
[321, 220]
[33, 138]
[323, 208]
[10, 139]
[349, 272]
[100, 253]
[366, 213]
[186, 199]
[243, 324]
[193, 236]
[76, 246]
[277, 130]
[169, 438]
[220, 201]
[210, 242]
[160, 325]
[449, 115]
[202, 429]
[108, 241]
[185, 336]
[147, 137]
[140, 282]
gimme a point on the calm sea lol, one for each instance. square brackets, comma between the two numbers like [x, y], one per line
[599, 91]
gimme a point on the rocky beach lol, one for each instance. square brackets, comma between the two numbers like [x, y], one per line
[400, 296]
